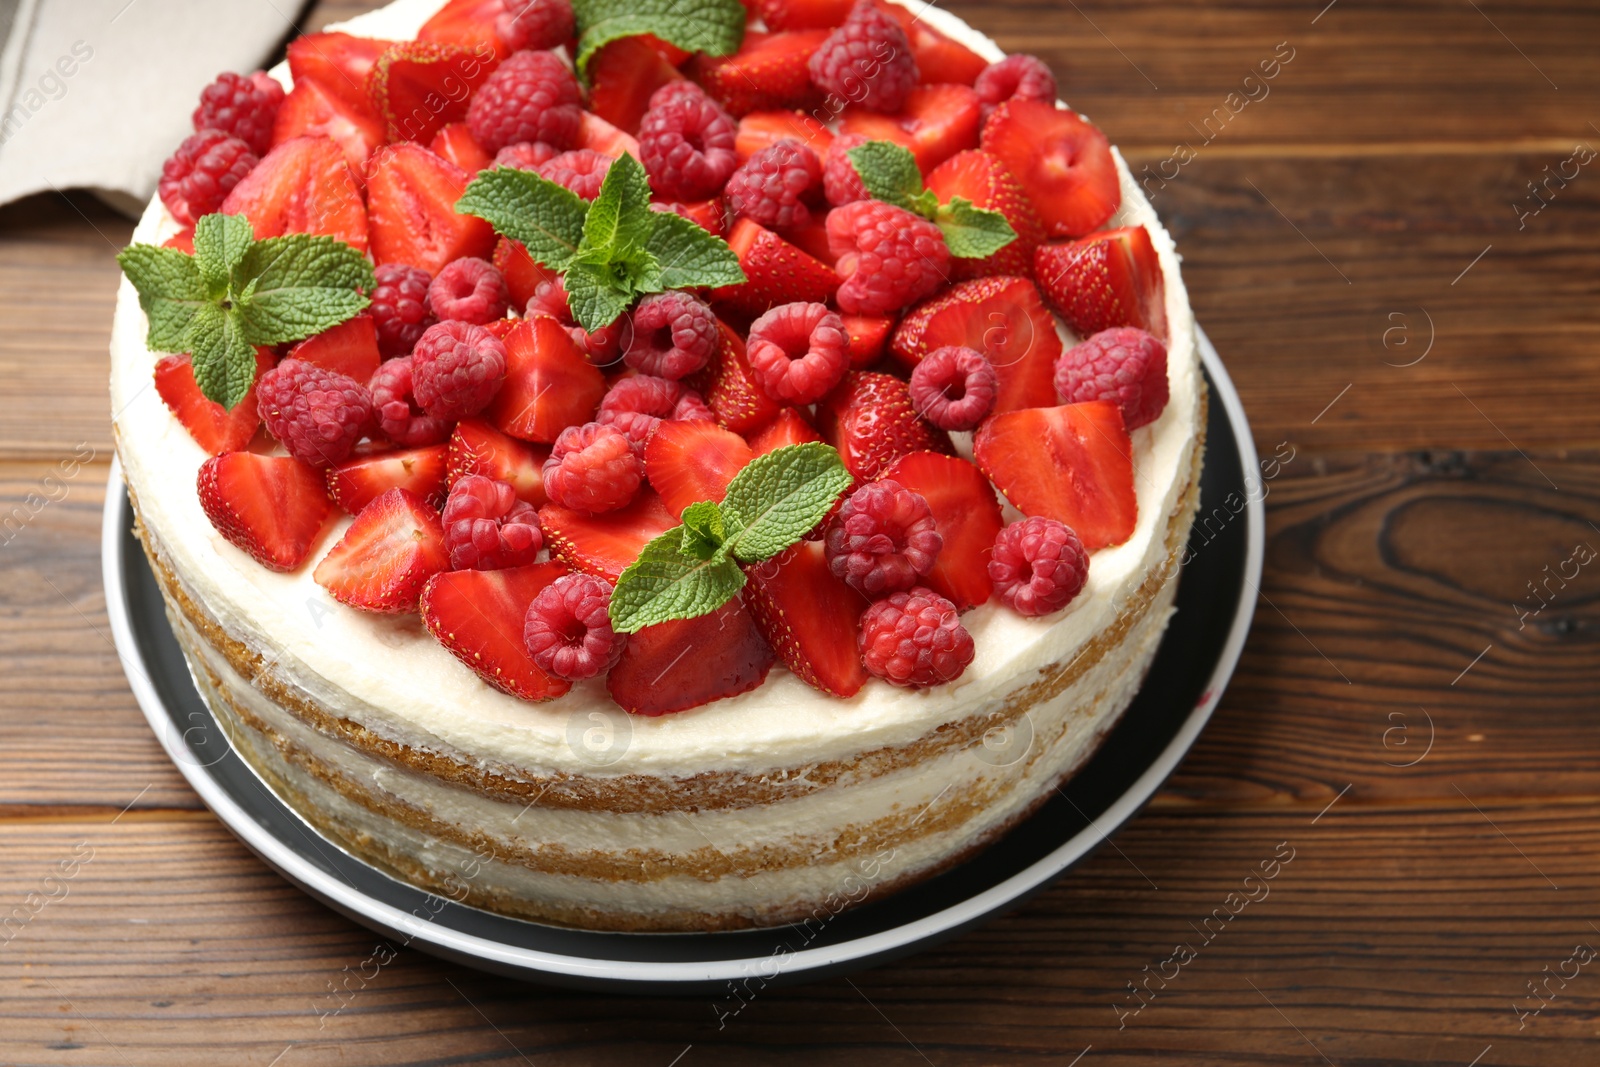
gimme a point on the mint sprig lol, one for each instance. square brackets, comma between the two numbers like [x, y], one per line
[890, 173]
[715, 27]
[236, 292]
[611, 252]
[693, 569]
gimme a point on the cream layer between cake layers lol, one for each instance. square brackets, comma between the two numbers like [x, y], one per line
[773, 806]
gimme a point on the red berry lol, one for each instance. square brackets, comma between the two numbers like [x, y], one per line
[772, 185]
[535, 23]
[487, 528]
[568, 628]
[954, 387]
[317, 414]
[394, 405]
[582, 170]
[469, 290]
[841, 183]
[883, 538]
[1016, 77]
[867, 61]
[242, 107]
[273, 507]
[871, 421]
[197, 178]
[1038, 566]
[686, 143]
[674, 335]
[798, 352]
[456, 369]
[1124, 365]
[915, 639]
[386, 555]
[532, 96]
[593, 468]
[635, 404]
[525, 155]
[887, 256]
[600, 347]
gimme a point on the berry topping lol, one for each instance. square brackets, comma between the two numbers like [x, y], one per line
[871, 421]
[1016, 77]
[315, 109]
[535, 23]
[317, 414]
[915, 639]
[658, 673]
[887, 256]
[635, 404]
[605, 544]
[867, 60]
[525, 155]
[689, 460]
[419, 87]
[532, 96]
[789, 428]
[215, 428]
[674, 335]
[982, 179]
[581, 170]
[768, 71]
[456, 369]
[487, 528]
[798, 352]
[454, 142]
[411, 199]
[809, 618]
[601, 347]
[364, 477]
[841, 182]
[400, 307]
[1124, 365]
[395, 407]
[197, 178]
[568, 628]
[775, 271]
[938, 121]
[468, 290]
[954, 387]
[1038, 566]
[386, 556]
[593, 468]
[1107, 279]
[478, 448]
[350, 348]
[272, 507]
[869, 338]
[967, 515]
[772, 185]
[549, 384]
[303, 185]
[1063, 163]
[883, 539]
[623, 74]
[242, 107]
[479, 617]
[686, 143]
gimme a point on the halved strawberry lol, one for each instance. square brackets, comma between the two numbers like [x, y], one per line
[314, 110]
[349, 348]
[776, 272]
[521, 273]
[762, 129]
[869, 338]
[454, 142]
[303, 185]
[967, 516]
[604, 545]
[1107, 279]
[359, 481]
[418, 86]
[984, 180]
[1003, 318]
[549, 385]
[789, 428]
[809, 617]
[689, 460]
[479, 616]
[812, 238]
[869, 418]
[387, 555]
[937, 122]
[939, 59]
[598, 135]
[215, 428]
[476, 447]
[803, 14]
[272, 507]
[1072, 463]
[767, 72]
[674, 666]
[468, 24]
[622, 75]
[706, 214]
[730, 388]
[183, 241]
[1064, 164]
[340, 62]
[411, 198]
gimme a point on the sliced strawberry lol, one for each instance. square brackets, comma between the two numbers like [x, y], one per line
[387, 555]
[730, 388]
[812, 238]
[1063, 163]
[622, 75]
[869, 418]
[985, 181]
[674, 666]
[967, 516]
[604, 545]
[549, 385]
[776, 272]
[454, 142]
[706, 214]
[468, 24]
[869, 338]
[1107, 279]
[689, 460]
[762, 129]
[479, 616]
[521, 273]
[272, 507]
[349, 348]
[937, 122]
[809, 617]
[1003, 318]
[411, 197]
[1072, 463]
[789, 428]
[340, 63]
[939, 59]
[314, 110]
[803, 14]
[183, 241]
[476, 447]
[766, 73]
[357, 482]
[418, 86]
[215, 428]
[302, 186]
[598, 135]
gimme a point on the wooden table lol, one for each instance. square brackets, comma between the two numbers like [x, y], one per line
[1410, 719]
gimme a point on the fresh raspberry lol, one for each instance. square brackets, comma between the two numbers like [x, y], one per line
[672, 90]
[1124, 364]
[883, 538]
[582, 170]
[674, 335]
[915, 639]
[525, 155]
[841, 183]
[456, 369]
[637, 403]
[318, 414]
[1016, 77]
[866, 61]
[686, 145]
[535, 23]
[568, 632]
[400, 307]
[592, 468]
[1038, 566]
[692, 406]
[486, 528]
[771, 186]
[954, 387]
[601, 347]
[887, 256]
[798, 352]
[242, 107]
[395, 406]
[196, 179]
[469, 290]
[532, 96]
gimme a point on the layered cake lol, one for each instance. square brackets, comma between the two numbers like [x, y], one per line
[660, 473]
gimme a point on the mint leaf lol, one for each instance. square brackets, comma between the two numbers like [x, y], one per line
[220, 244]
[224, 362]
[689, 256]
[780, 497]
[546, 217]
[705, 530]
[298, 285]
[620, 216]
[595, 295]
[715, 27]
[665, 583]
[889, 172]
[971, 232]
[170, 292]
